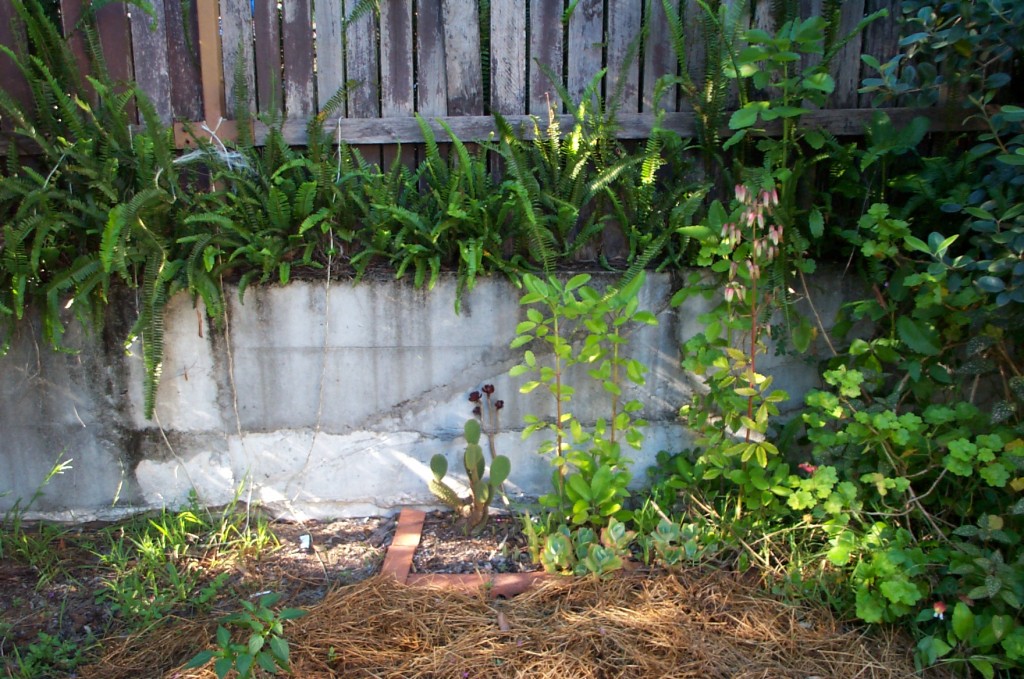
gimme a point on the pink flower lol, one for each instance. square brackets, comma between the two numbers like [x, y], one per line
[940, 610]
[807, 467]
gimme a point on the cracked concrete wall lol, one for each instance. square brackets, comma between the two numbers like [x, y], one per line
[320, 401]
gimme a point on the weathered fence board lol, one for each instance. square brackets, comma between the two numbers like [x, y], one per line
[236, 48]
[846, 64]
[586, 44]
[330, 52]
[297, 50]
[880, 40]
[659, 59]
[12, 34]
[842, 122]
[508, 56]
[623, 82]
[267, 32]
[545, 50]
[152, 70]
[396, 72]
[362, 71]
[182, 60]
[432, 85]
[462, 57]
[426, 57]
[695, 51]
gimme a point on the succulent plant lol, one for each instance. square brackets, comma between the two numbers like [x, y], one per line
[482, 489]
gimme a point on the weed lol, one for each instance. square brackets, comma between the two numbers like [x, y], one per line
[265, 648]
[48, 656]
[36, 548]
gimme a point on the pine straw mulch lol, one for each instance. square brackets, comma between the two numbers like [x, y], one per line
[694, 624]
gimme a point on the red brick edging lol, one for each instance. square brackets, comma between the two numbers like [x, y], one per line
[398, 564]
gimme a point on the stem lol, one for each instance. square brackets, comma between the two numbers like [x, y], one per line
[615, 380]
[814, 310]
[490, 426]
[558, 408]
[753, 352]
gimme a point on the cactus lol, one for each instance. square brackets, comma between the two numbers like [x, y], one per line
[482, 489]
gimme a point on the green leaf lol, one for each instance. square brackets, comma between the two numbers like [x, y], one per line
[199, 659]
[576, 281]
[802, 334]
[917, 335]
[266, 662]
[256, 642]
[243, 663]
[1015, 159]
[222, 667]
[869, 607]
[279, 647]
[900, 591]
[990, 284]
[500, 468]
[963, 621]
[816, 223]
[917, 244]
[579, 485]
[744, 117]
[983, 666]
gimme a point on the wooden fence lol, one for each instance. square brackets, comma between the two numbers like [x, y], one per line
[422, 56]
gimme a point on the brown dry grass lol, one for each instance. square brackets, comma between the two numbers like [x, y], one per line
[694, 624]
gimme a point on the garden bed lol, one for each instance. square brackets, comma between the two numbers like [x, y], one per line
[364, 620]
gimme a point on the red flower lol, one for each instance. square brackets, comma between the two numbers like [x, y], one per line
[474, 396]
[488, 389]
[807, 467]
[940, 610]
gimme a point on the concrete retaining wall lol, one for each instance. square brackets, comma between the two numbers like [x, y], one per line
[322, 401]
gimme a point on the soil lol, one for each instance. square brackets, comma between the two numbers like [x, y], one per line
[341, 552]
[445, 547]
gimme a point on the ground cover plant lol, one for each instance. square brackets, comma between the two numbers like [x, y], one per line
[892, 494]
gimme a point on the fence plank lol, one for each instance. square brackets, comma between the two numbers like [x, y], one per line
[70, 15]
[432, 88]
[840, 122]
[182, 60]
[623, 56]
[12, 34]
[149, 48]
[361, 71]
[846, 64]
[695, 56]
[546, 49]
[880, 40]
[586, 46]
[330, 53]
[267, 32]
[297, 43]
[462, 57]
[115, 40]
[810, 8]
[508, 57]
[396, 87]
[659, 59]
[237, 54]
